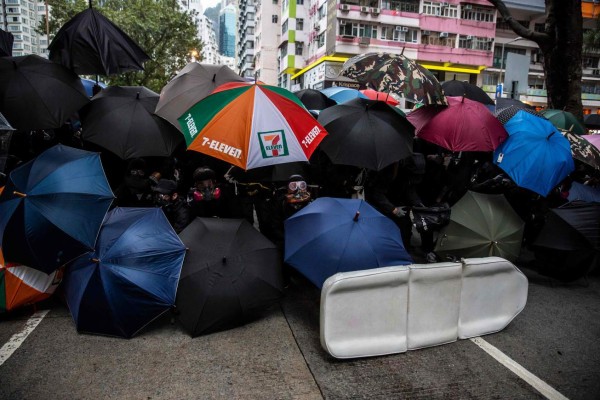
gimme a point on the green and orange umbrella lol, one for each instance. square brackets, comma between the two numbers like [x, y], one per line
[251, 125]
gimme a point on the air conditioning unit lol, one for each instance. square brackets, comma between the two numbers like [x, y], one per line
[596, 71]
[375, 11]
[444, 4]
[344, 7]
[405, 29]
[364, 10]
[316, 26]
[342, 22]
[425, 33]
[490, 39]
[364, 40]
[469, 37]
[399, 28]
[467, 7]
[443, 34]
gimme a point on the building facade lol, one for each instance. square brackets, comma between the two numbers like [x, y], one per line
[21, 18]
[227, 30]
[245, 38]
[267, 34]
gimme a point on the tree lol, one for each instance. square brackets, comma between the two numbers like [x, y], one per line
[160, 27]
[561, 44]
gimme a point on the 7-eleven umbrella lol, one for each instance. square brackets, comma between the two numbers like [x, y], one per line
[251, 125]
[21, 285]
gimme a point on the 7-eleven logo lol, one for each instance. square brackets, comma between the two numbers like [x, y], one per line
[273, 144]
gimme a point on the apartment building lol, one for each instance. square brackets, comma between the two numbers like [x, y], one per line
[245, 38]
[21, 18]
[267, 34]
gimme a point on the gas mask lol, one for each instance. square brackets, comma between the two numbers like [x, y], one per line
[162, 200]
[297, 192]
[207, 194]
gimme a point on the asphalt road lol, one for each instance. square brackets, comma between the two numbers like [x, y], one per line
[279, 356]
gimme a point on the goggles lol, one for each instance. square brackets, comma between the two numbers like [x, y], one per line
[138, 172]
[297, 185]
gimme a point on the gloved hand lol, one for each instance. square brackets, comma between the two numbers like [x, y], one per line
[399, 211]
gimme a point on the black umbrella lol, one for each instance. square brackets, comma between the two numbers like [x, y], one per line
[466, 89]
[6, 43]
[38, 94]
[592, 121]
[503, 102]
[90, 44]
[120, 119]
[569, 243]
[366, 133]
[4, 125]
[230, 272]
[314, 99]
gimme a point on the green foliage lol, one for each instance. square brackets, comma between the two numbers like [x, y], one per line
[591, 37]
[160, 27]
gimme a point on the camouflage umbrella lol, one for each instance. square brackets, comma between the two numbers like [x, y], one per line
[583, 150]
[395, 73]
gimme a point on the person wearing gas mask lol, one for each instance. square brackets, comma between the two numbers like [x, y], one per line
[295, 198]
[135, 190]
[206, 198]
[175, 208]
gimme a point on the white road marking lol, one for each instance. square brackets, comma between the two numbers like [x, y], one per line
[18, 338]
[546, 390]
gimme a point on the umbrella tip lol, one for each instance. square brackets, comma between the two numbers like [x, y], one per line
[214, 78]
[137, 96]
[356, 216]
[95, 260]
[224, 260]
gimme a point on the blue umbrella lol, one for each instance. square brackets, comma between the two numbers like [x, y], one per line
[88, 85]
[338, 235]
[52, 207]
[342, 94]
[585, 193]
[536, 156]
[130, 278]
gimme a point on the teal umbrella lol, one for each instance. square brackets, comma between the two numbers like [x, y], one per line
[481, 225]
[564, 120]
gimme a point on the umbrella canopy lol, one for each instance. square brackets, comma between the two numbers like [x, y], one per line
[4, 125]
[481, 225]
[341, 94]
[21, 285]
[121, 119]
[252, 125]
[6, 43]
[583, 150]
[231, 271]
[583, 192]
[381, 96]
[366, 134]
[569, 243]
[88, 85]
[52, 207]
[466, 89]
[90, 44]
[338, 235]
[535, 155]
[465, 125]
[314, 100]
[130, 278]
[504, 102]
[593, 139]
[386, 72]
[592, 121]
[564, 120]
[38, 94]
[192, 84]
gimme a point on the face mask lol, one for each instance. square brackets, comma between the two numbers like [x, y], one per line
[162, 200]
[207, 194]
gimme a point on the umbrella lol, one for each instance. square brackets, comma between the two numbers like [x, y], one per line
[231, 271]
[592, 121]
[4, 125]
[192, 84]
[90, 44]
[252, 125]
[535, 155]
[504, 102]
[52, 207]
[341, 94]
[366, 134]
[593, 139]
[583, 150]
[465, 125]
[466, 89]
[568, 245]
[314, 100]
[38, 94]
[121, 119]
[130, 278]
[395, 73]
[481, 225]
[564, 120]
[88, 85]
[338, 235]
[6, 43]
[583, 192]
[21, 285]
[381, 96]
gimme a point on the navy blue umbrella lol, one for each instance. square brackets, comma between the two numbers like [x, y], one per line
[52, 207]
[337, 235]
[88, 85]
[131, 277]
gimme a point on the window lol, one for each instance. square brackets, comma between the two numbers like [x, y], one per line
[321, 39]
[274, 19]
[284, 49]
[284, 26]
[322, 11]
[12, 1]
[367, 31]
[478, 14]
[299, 48]
[589, 61]
[300, 2]
[274, 1]
[299, 24]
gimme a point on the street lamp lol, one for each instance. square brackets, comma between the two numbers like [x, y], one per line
[500, 80]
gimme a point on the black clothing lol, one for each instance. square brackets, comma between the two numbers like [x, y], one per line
[179, 214]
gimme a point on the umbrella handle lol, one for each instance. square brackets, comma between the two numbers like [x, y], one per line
[355, 219]
[19, 194]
